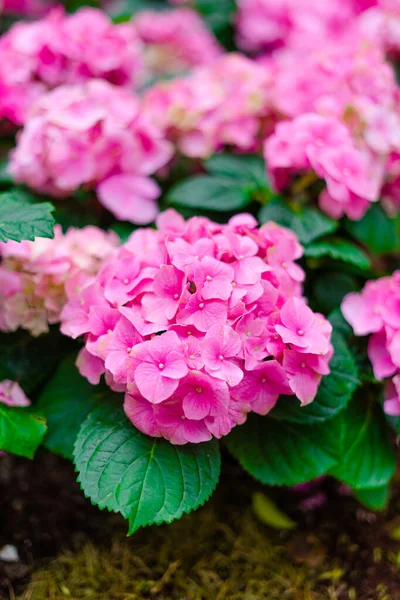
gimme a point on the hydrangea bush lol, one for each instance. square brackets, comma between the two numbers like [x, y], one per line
[200, 244]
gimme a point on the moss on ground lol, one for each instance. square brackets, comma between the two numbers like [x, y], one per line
[197, 558]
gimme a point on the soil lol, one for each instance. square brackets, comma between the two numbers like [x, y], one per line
[69, 550]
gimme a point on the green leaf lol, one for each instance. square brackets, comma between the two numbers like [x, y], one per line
[268, 513]
[330, 288]
[377, 231]
[65, 402]
[21, 432]
[31, 360]
[308, 223]
[248, 169]
[338, 249]
[374, 498]
[333, 394]
[5, 177]
[367, 459]
[282, 453]
[148, 480]
[209, 193]
[219, 17]
[22, 220]
[123, 229]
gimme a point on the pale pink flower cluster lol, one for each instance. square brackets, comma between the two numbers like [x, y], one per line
[376, 311]
[175, 40]
[199, 324]
[12, 394]
[342, 102]
[37, 278]
[214, 106]
[61, 49]
[270, 24]
[93, 135]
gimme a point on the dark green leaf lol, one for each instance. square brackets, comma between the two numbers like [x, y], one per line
[333, 394]
[378, 232]
[21, 432]
[308, 223]
[65, 402]
[5, 177]
[21, 220]
[146, 479]
[338, 249]
[282, 453]
[330, 288]
[247, 169]
[367, 459]
[209, 193]
[31, 360]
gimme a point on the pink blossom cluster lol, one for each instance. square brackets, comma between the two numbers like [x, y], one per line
[25, 8]
[12, 394]
[342, 102]
[214, 106]
[267, 25]
[64, 49]
[175, 40]
[37, 278]
[199, 324]
[94, 135]
[271, 24]
[376, 312]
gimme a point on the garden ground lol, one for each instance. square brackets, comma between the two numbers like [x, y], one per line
[69, 550]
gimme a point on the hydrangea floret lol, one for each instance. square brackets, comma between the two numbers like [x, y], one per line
[376, 312]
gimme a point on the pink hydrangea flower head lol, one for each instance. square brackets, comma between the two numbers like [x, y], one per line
[195, 338]
[38, 277]
[12, 394]
[175, 40]
[64, 49]
[93, 135]
[376, 310]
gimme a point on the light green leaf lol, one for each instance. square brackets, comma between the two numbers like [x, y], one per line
[21, 432]
[282, 453]
[377, 231]
[338, 249]
[268, 513]
[209, 193]
[65, 402]
[334, 392]
[374, 498]
[148, 480]
[308, 223]
[22, 220]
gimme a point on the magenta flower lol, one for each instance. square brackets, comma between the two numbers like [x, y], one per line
[262, 386]
[220, 344]
[302, 328]
[12, 394]
[161, 366]
[198, 323]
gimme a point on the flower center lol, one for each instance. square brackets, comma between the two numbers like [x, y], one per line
[241, 257]
[161, 365]
[221, 357]
[234, 283]
[284, 265]
[248, 333]
[201, 305]
[192, 357]
[209, 278]
[129, 349]
[300, 332]
[199, 390]
[126, 281]
[263, 380]
[303, 365]
[176, 296]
